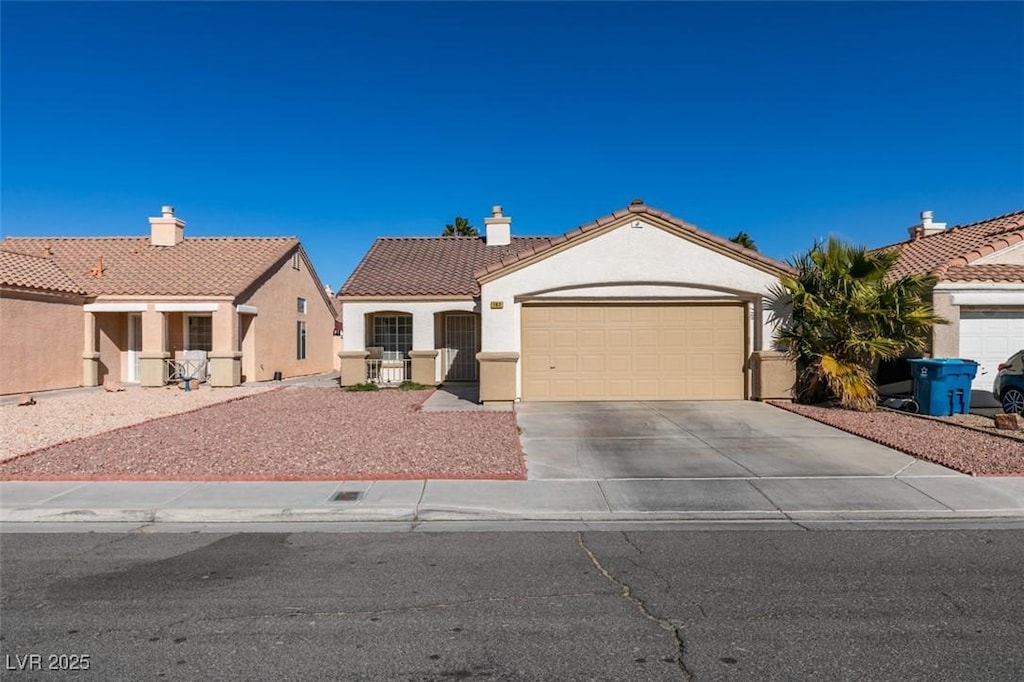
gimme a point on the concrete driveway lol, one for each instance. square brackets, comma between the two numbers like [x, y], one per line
[704, 440]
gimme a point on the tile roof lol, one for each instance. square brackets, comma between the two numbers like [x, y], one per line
[34, 272]
[945, 253]
[436, 266]
[428, 266]
[988, 272]
[200, 266]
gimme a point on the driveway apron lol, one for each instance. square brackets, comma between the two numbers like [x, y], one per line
[699, 440]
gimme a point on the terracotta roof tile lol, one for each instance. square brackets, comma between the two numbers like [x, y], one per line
[34, 272]
[200, 266]
[990, 272]
[938, 253]
[450, 266]
[428, 266]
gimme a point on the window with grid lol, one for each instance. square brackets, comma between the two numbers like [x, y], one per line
[393, 333]
[300, 340]
[200, 333]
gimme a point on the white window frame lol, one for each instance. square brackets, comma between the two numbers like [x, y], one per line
[300, 304]
[396, 341]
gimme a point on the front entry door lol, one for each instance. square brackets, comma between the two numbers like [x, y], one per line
[134, 347]
[461, 343]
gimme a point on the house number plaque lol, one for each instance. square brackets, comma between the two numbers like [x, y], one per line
[497, 305]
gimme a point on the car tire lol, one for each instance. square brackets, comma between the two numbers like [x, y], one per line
[1013, 401]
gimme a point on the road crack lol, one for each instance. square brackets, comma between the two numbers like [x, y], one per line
[627, 594]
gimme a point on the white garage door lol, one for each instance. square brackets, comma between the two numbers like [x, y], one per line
[633, 352]
[990, 337]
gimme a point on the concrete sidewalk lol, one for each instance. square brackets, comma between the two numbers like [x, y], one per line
[792, 499]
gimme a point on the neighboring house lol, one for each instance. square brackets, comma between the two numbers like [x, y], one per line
[40, 316]
[637, 305]
[78, 311]
[980, 292]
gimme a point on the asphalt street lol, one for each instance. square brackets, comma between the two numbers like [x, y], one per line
[638, 605]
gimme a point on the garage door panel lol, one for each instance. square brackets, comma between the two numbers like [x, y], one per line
[564, 339]
[591, 338]
[990, 337]
[647, 363]
[633, 352]
[618, 338]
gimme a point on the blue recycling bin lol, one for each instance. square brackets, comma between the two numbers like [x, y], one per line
[942, 386]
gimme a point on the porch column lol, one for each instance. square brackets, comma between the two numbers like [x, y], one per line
[225, 358]
[152, 365]
[90, 356]
[424, 363]
[353, 367]
[497, 376]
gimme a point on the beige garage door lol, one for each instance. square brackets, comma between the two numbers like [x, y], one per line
[633, 352]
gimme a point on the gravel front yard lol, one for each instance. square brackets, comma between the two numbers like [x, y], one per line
[56, 419]
[291, 434]
[942, 442]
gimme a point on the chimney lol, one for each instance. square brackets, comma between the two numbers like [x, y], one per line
[499, 228]
[166, 230]
[927, 227]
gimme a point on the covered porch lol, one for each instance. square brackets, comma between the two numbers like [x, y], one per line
[152, 343]
[425, 343]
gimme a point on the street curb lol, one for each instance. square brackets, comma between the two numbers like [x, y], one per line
[409, 515]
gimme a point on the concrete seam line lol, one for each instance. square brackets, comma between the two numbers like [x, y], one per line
[627, 594]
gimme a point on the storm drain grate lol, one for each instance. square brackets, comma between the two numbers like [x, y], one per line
[347, 496]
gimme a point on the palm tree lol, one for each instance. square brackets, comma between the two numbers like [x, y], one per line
[744, 240]
[460, 228]
[846, 313]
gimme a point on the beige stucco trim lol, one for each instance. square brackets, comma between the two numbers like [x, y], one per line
[424, 366]
[497, 376]
[774, 375]
[225, 368]
[352, 366]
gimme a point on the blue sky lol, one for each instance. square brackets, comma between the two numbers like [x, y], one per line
[340, 122]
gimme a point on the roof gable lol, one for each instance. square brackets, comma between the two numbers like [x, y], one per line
[200, 266]
[945, 254]
[636, 210]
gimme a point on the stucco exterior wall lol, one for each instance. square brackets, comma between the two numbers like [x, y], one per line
[273, 329]
[40, 343]
[946, 337]
[640, 262]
